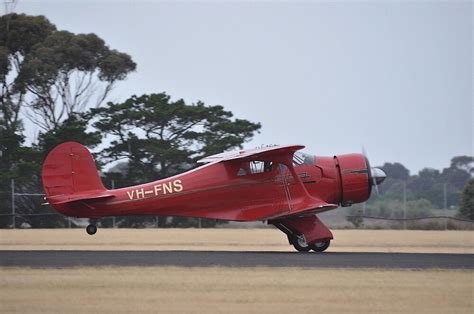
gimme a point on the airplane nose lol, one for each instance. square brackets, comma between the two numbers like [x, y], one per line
[378, 175]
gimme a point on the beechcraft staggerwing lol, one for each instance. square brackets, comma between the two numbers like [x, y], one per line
[280, 185]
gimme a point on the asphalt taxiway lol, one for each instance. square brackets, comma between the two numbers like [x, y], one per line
[62, 259]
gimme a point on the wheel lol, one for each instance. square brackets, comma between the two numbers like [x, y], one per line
[320, 246]
[91, 229]
[300, 244]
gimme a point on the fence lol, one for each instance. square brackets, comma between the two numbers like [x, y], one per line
[425, 222]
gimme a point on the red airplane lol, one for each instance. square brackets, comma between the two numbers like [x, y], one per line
[278, 184]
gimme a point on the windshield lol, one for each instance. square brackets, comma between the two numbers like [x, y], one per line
[302, 158]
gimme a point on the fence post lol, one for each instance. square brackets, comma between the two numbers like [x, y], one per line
[113, 217]
[13, 204]
[445, 195]
[404, 205]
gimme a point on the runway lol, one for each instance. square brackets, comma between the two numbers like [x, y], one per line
[64, 259]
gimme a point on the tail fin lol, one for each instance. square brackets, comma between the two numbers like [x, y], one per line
[69, 170]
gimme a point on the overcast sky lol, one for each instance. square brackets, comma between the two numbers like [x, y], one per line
[393, 76]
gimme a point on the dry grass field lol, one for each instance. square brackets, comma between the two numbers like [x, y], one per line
[233, 240]
[234, 290]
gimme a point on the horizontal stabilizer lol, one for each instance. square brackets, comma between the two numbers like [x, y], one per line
[62, 199]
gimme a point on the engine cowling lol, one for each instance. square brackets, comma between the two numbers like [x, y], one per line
[357, 178]
[354, 172]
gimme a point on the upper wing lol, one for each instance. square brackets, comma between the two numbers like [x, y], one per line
[253, 153]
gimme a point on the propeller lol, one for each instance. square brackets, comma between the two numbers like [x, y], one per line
[376, 175]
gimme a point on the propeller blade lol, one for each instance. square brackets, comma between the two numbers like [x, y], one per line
[376, 188]
[376, 175]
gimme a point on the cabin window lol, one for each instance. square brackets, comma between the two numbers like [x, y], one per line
[254, 167]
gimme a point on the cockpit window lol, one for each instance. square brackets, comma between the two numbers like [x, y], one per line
[301, 158]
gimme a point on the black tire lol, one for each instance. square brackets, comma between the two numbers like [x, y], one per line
[300, 244]
[320, 246]
[91, 229]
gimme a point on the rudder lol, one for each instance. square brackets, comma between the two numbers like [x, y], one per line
[69, 169]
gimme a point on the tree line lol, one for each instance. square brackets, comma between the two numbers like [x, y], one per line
[413, 196]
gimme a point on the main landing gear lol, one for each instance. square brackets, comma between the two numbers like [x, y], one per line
[299, 243]
[91, 229]
[305, 233]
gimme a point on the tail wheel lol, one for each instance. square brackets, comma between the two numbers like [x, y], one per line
[300, 244]
[91, 229]
[320, 246]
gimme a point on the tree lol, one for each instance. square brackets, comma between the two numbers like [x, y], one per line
[427, 185]
[160, 137]
[463, 163]
[396, 171]
[397, 175]
[55, 74]
[72, 129]
[21, 164]
[456, 175]
[466, 208]
[18, 35]
[50, 76]
[425, 179]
